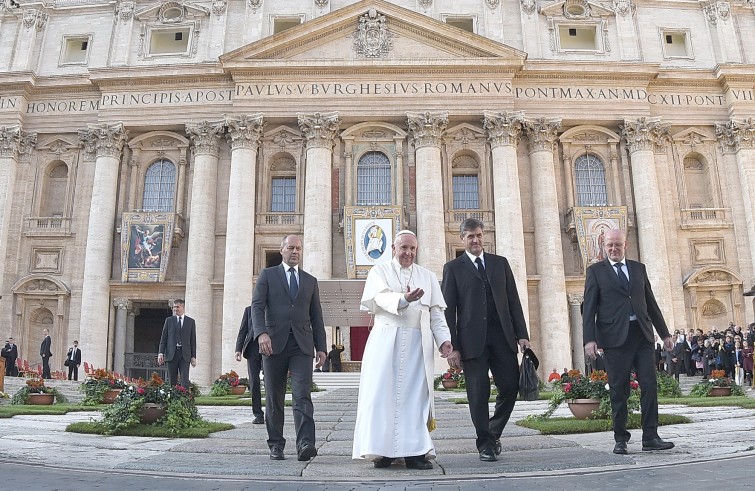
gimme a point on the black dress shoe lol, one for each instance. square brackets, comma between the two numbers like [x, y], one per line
[276, 453]
[383, 462]
[418, 462]
[498, 447]
[656, 444]
[620, 448]
[488, 455]
[258, 420]
[307, 452]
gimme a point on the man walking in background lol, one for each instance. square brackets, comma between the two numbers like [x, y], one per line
[178, 345]
[247, 346]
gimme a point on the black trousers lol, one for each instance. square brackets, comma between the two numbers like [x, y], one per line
[497, 358]
[276, 367]
[46, 367]
[73, 370]
[638, 353]
[178, 365]
[254, 365]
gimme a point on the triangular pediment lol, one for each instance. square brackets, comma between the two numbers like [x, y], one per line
[171, 12]
[576, 10]
[694, 136]
[372, 33]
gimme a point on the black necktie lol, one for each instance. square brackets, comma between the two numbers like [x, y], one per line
[180, 325]
[293, 286]
[480, 267]
[622, 277]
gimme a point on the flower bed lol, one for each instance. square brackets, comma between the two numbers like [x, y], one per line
[717, 378]
[578, 386]
[97, 384]
[36, 386]
[224, 384]
[451, 375]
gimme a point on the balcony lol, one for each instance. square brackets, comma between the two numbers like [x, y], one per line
[280, 222]
[47, 227]
[455, 217]
[706, 218]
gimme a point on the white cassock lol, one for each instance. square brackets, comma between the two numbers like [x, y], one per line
[395, 408]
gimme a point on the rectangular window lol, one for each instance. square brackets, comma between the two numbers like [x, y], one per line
[464, 23]
[75, 50]
[280, 24]
[173, 41]
[676, 44]
[466, 193]
[283, 195]
[578, 38]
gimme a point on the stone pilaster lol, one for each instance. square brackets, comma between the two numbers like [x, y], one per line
[504, 132]
[13, 142]
[643, 136]
[427, 136]
[320, 130]
[244, 134]
[106, 142]
[122, 308]
[577, 343]
[205, 138]
[553, 330]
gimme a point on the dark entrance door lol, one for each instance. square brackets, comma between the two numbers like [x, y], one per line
[358, 337]
[148, 326]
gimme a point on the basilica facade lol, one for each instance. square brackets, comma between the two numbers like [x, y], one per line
[155, 150]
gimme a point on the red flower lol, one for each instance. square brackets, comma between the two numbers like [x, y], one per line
[633, 384]
[567, 387]
[141, 391]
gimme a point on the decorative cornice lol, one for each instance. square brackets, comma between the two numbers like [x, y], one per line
[245, 131]
[504, 128]
[15, 141]
[735, 135]
[205, 136]
[541, 133]
[645, 134]
[319, 129]
[103, 140]
[427, 128]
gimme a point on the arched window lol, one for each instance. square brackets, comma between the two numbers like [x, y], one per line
[590, 175]
[374, 179]
[53, 198]
[159, 186]
[697, 181]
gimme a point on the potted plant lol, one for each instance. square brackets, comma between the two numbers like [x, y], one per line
[36, 392]
[101, 387]
[228, 383]
[151, 402]
[450, 379]
[588, 396]
[717, 385]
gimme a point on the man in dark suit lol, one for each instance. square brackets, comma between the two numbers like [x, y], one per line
[288, 324]
[619, 313]
[248, 346]
[10, 353]
[487, 327]
[74, 360]
[178, 345]
[45, 353]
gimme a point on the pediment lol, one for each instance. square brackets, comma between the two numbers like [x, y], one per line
[576, 10]
[465, 134]
[372, 33]
[694, 136]
[57, 145]
[172, 12]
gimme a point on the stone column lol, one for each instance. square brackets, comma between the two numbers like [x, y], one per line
[13, 142]
[205, 137]
[504, 131]
[553, 332]
[575, 322]
[737, 137]
[244, 133]
[122, 308]
[427, 135]
[106, 142]
[642, 135]
[320, 130]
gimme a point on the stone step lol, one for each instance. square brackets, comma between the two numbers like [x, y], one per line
[69, 388]
[333, 380]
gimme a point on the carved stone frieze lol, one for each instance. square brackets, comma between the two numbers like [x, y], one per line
[372, 38]
[504, 128]
[465, 136]
[541, 133]
[321, 3]
[205, 136]
[35, 18]
[715, 10]
[41, 286]
[528, 5]
[284, 138]
[645, 133]
[255, 4]
[14, 141]
[320, 129]
[427, 128]
[425, 3]
[245, 131]
[465, 162]
[103, 140]
[492, 4]
[714, 277]
[219, 6]
[623, 7]
[125, 10]
[734, 135]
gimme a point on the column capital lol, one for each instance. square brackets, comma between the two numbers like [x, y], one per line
[320, 129]
[245, 131]
[103, 139]
[541, 133]
[504, 128]
[122, 303]
[575, 298]
[427, 128]
[734, 134]
[645, 133]
[205, 136]
[15, 141]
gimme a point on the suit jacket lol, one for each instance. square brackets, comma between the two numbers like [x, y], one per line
[172, 334]
[76, 359]
[607, 304]
[246, 343]
[464, 292]
[274, 313]
[11, 354]
[44, 349]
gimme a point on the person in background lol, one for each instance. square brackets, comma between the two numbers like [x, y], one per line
[45, 353]
[74, 361]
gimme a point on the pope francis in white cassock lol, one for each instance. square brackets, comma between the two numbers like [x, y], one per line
[395, 411]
